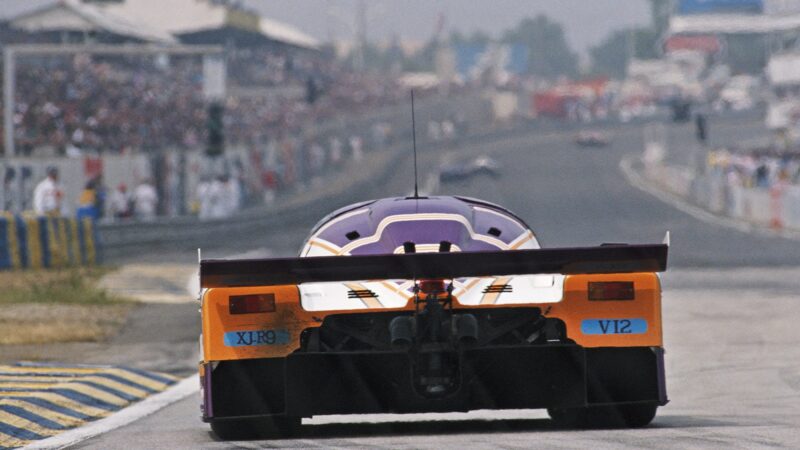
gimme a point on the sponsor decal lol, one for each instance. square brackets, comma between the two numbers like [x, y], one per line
[613, 326]
[256, 337]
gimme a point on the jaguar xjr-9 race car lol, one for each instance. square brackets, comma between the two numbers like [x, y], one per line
[410, 305]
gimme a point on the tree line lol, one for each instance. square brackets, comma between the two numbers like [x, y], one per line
[549, 53]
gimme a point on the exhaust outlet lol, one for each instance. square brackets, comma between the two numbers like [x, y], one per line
[466, 329]
[401, 332]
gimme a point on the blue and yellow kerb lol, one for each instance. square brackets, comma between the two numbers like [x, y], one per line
[39, 400]
[36, 242]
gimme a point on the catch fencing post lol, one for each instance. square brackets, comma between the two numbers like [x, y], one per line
[8, 101]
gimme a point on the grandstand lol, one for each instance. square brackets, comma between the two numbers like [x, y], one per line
[115, 80]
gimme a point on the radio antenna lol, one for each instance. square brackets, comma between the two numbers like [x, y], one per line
[414, 138]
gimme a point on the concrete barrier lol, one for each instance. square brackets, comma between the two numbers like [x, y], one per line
[777, 207]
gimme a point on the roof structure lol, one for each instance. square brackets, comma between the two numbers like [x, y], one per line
[178, 17]
[282, 32]
[74, 15]
[160, 21]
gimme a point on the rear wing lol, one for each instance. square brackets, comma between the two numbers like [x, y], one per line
[567, 261]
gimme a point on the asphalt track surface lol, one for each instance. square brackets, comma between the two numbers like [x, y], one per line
[731, 306]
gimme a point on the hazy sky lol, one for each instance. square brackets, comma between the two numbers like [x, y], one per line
[585, 21]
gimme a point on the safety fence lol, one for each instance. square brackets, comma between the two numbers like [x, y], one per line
[37, 242]
[776, 207]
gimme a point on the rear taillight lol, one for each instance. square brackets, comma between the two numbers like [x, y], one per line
[432, 286]
[611, 290]
[250, 304]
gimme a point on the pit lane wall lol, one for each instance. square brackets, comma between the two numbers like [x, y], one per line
[776, 207]
[36, 242]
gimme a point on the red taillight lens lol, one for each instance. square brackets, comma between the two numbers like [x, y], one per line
[611, 290]
[250, 304]
[431, 286]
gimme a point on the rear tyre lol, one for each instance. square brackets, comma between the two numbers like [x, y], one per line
[256, 428]
[616, 416]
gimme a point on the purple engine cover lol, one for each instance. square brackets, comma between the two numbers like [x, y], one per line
[381, 226]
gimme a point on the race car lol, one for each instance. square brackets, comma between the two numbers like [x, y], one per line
[431, 304]
[592, 139]
[461, 170]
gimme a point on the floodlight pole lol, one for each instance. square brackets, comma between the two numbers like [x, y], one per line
[9, 74]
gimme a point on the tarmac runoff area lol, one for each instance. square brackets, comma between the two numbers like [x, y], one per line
[47, 405]
[154, 283]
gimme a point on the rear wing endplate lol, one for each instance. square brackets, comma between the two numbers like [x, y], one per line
[567, 261]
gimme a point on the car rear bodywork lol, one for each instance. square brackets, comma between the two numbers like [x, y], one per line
[447, 340]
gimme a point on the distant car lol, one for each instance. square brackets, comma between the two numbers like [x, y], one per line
[592, 139]
[460, 170]
[431, 304]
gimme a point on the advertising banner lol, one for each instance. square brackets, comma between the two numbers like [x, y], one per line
[720, 6]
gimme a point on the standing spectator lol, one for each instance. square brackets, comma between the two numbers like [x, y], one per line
[316, 162]
[448, 130]
[10, 190]
[356, 145]
[47, 195]
[145, 199]
[120, 202]
[204, 197]
[701, 129]
[232, 195]
[762, 176]
[434, 131]
[336, 151]
[91, 202]
[217, 198]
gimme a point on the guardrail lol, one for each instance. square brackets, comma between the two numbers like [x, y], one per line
[36, 242]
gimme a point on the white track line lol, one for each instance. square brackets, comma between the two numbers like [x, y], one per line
[698, 213]
[125, 416]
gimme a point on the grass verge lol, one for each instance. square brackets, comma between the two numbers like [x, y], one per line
[44, 306]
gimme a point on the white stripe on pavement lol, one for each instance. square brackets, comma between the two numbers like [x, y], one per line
[125, 416]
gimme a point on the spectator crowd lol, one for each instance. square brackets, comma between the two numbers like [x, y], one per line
[116, 104]
[89, 106]
[755, 169]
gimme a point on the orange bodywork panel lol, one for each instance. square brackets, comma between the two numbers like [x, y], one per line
[576, 310]
[606, 323]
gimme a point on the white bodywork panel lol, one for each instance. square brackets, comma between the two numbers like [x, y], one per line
[397, 293]
[542, 288]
